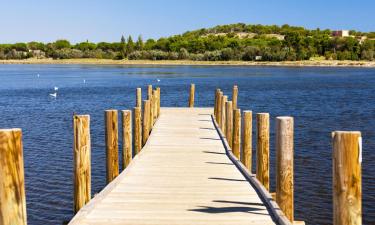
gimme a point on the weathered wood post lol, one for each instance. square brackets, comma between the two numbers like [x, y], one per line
[247, 139]
[192, 95]
[111, 142]
[12, 178]
[127, 145]
[229, 123]
[151, 119]
[224, 100]
[219, 108]
[284, 165]
[263, 149]
[216, 102]
[146, 121]
[139, 98]
[237, 133]
[137, 125]
[82, 161]
[149, 92]
[347, 177]
[158, 111]
[235, 96]
[155, 105]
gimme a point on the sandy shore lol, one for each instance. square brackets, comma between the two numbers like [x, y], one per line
[307, 63]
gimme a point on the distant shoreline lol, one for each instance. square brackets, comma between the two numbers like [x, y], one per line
[307, 63]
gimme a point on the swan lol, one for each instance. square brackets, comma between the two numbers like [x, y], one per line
[53, 95]
[56, 88]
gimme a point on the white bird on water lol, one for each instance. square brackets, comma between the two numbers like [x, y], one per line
[158, 80]
[54, 95]
[56, 88]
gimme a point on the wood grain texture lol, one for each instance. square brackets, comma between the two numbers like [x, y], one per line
[12, 178]
[219, 108]
[247, 140]
[146, 121]
[192, 95]
[111, 142]
[82, 161]
[138, 98]
[137, 127]
[149, 92]
[284, 165]
[217, 92]
[347, 178]
[263, 149]
[151, 119]
[183, 176]
[236, 146]
[155, 105]
[224, 100]
[235, 97]
[159, 101]
[127, 144]
[229, 123]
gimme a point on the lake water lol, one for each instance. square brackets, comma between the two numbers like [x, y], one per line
[320, 99]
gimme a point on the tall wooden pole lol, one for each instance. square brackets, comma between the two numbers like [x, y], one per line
[139, 98]
[247, 139]
[224, 100]
[149, 92]
[151, 119]
[216, 103]
[263, 149]
[192, 95]
[229, 123]
[127, 145]
[155, 105]
[235, 96]
[12, 178]
[284, 165]
[237, 133]
[82, 161]
[146, 121]
[111, 142]
[137, 130]
[219, 108]
[347, 178]
[159, 100]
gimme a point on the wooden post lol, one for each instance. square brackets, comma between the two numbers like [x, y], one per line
[127, 149]
[247, 139]
[237, 133]
[219, 108]
[347, 177]
[111, 142]
[216, 102]
[12, 178]
[149, 92]
[151, 119]
[235, 96]
[229, 123]
[139, 98]
[82, 161]
[263, 149]
[224, 100]
[158, 111]
[137, 130]
[191, 97]
[155, 105]
[284, 165]
[146, 121]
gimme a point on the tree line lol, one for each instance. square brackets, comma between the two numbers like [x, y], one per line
[220, 43]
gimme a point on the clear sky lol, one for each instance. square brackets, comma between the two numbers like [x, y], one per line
[107, 20]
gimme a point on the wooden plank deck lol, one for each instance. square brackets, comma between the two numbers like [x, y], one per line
[182, 176]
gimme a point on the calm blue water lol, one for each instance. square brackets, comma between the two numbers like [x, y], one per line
[320, 99]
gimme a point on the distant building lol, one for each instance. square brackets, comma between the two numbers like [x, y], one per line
[340, 33]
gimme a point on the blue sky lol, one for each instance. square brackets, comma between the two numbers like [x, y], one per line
[99, 20]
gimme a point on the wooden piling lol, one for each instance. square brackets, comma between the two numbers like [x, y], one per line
[347, 178]
[237, 133]
[137, 127]
[158, 111]
[284, 165]
[155, 105]
[216, 102]
[229, 123]
[235, 96]
[149, 92]
[219, 108]
[111, 142]
[146, 121]
[127, 146]
[247, 139]
[192, 95]
[139, 98]
[12, 178]
[224, 100]
[82, 161]
[263, 151]
[151, 118]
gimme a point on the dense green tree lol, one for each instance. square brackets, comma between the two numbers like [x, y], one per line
[60, 44]
[139, 44]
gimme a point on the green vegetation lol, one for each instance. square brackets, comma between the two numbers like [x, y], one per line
[220, 43]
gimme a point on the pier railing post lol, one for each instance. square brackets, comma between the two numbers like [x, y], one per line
[12, 178]
[151, 119]
[146, 121]
[235, 96]
[219, 108]
[155, 105]
[149, 92]
[285, 165]
[158, 106]
[192, 95]
[263, 151]
[216, 103]
[139, 98]
[247, 139]
[237, 133]
[111, 141]
[82, 161]
[347, 177]
[137, 127]
[224, 100]
[127, 146]
[229, 123]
